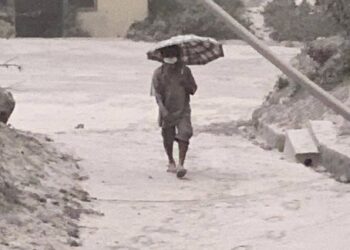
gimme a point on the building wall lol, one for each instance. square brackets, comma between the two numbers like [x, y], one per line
[112, 18]
[7, 20]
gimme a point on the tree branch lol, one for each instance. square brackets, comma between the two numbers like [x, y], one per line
[7, 64]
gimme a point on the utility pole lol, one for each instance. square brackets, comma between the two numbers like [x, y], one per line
[65, 7]
[299, 78]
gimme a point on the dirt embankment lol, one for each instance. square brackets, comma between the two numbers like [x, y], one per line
[326, 62]
[289, 106]
[40, 197]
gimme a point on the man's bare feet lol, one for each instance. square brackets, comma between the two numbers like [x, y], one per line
[181, 172]
[171, 167]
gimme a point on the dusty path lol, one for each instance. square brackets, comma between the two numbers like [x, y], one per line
[236, 196]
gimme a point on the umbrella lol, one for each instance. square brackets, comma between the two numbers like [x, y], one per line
[195, 50]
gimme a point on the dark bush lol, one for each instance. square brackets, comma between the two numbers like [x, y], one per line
[71, 23]
[326, 61]
[174, 17]
[339, 10]
[298, 22]
[163, 8]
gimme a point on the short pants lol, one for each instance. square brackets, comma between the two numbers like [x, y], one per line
[181, 131]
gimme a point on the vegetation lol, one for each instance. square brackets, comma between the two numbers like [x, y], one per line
[302, 22]
[339, 10]
[7, 22]
[173, 17]
[72, 27]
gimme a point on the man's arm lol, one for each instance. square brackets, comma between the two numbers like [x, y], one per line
[190, 84]
[164, 112]
[158, 94]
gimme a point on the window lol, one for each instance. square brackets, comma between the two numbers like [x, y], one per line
[84, 4]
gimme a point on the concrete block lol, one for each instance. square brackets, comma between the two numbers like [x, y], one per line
[323, 132]
[300, 146]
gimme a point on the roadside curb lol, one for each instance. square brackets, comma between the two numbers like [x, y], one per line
[334, 158]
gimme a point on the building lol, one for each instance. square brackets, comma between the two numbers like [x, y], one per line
[55, 18]
[7, 19]
[111, 18]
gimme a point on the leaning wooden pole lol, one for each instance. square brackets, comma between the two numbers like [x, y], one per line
[327, 99]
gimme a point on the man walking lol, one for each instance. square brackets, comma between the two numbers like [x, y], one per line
[173, 84]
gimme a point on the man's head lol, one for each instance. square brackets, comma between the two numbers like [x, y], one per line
[171, 54]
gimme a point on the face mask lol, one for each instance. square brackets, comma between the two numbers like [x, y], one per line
[170, 60]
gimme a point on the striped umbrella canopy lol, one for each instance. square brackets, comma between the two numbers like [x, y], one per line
[195, 50]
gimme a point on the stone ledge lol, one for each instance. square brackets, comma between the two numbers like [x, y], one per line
[335, 158]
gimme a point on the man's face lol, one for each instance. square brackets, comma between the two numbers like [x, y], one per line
[171, 55]
[171, 52]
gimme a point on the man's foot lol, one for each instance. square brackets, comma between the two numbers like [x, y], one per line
[171, 167]
[181, 172]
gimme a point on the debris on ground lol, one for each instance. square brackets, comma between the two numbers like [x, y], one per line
[40, 197]
[7, 105]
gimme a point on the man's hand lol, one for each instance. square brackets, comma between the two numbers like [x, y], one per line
[173, 116]
[190, 88]
[164, 112]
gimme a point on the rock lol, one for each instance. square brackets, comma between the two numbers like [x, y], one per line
[343, 179]
[323, 49]
[80, 194]
[80, 126]
[83, 178]
[73, 232]
[74, 243]
[13, 220]
[72, 213]
[4, 243]
[56, 203]
[48, 139]
[45, 218]
[7, 29]
[7, 105]
[63, 191]
[266, 147]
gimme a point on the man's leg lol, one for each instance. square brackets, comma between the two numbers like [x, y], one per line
[184, 133]
[183, 148]
[168, 142]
